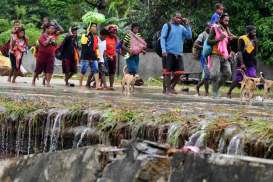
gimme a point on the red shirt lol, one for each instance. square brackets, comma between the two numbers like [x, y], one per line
[111, 43]
[96, 43]
[47, 50]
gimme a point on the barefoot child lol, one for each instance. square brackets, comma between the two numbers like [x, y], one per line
[19, 43]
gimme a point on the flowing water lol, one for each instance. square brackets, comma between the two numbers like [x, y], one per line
[198, 138]
[29, 136]
[79, 134]
[193, 139]
[236, 145]
[56, 129]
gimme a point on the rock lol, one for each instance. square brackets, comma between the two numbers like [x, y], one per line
[138, 166]
[66, 166]
[217, 167]
[110, 164]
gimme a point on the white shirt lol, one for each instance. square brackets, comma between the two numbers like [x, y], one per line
[102, 48]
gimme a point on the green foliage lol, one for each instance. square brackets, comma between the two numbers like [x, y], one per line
[20, 11]
[151, 15]
[4, 25]
[17, 110]
[4, 37]
[33, 35]
[259, 13]
[93, 17]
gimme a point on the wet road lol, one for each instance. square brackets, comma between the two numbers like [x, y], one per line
[145, 98]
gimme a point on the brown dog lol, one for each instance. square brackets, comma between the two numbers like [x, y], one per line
[128, 82]
[249, 85]
[268, 84]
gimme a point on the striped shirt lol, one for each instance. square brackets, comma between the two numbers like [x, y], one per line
[127, 40]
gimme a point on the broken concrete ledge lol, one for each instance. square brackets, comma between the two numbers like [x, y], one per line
[98, 163]
[220, 167]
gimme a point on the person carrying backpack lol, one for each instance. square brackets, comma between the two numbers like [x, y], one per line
[171, 41]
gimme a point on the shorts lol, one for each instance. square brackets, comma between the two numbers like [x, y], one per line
[69, 66]
[111, 63]
[172, 64]
[132, 64]
[13, 61]
[92, 64]
[45, 64]
[250, 72]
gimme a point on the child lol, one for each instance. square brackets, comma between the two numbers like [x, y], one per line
[19, 43]
[102, 64]
[219, 11]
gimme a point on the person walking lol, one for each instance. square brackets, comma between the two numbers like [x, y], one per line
[18, 46]
[220, 69]
[90, 54]
[110, 53]
[198, 46]
[246, 57]
[172, 49]
[70, 55]
[46, 54]
[132, 56]
[102, 64]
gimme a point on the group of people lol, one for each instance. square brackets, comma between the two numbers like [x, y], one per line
[94, 52]
[98, 52]
[218, 57]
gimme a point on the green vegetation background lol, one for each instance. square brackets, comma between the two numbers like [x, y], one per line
[151, 14]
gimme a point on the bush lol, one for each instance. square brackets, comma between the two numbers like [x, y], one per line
[33, 35]
[4, 37]
[4, 25]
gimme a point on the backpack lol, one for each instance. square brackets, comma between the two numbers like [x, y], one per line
[207, 49]
[156, 40]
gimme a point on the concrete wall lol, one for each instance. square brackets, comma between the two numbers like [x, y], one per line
[95, 164]
[150, 65]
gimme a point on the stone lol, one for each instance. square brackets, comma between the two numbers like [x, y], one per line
[107, 164]
[218, 167]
